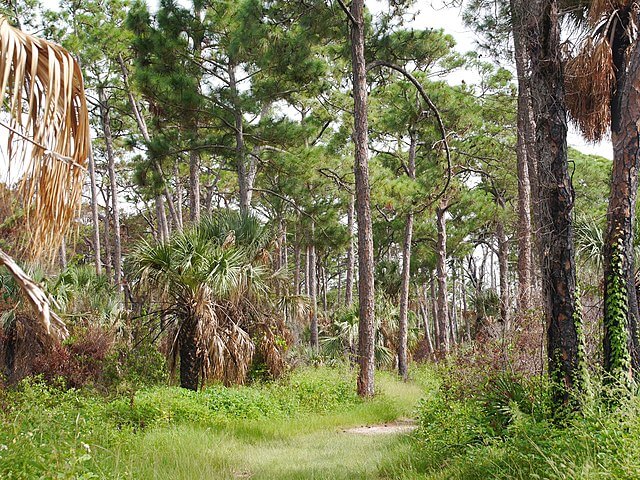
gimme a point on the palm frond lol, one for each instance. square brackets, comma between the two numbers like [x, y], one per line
[48, 132]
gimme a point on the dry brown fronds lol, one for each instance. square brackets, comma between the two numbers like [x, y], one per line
[589, 83]
[603, 9]
[53, 325]
[48, 132]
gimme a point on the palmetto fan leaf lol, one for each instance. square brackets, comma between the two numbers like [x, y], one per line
[48, 136]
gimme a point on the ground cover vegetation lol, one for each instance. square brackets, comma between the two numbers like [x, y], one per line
[231, 231]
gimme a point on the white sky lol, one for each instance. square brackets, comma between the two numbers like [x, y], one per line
[434, 14]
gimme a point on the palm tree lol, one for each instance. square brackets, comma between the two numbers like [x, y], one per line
[212, 287]
[604, 86]
[48, 141]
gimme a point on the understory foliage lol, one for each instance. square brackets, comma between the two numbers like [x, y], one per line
[47, 431]
[211, 288]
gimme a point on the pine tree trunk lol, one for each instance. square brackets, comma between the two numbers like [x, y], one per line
[313, 289]
[565, 345]
[95, 217]
[105, 118]
[434, 311]
[297, 254]
[441, 274]
[620, 341]
[108, 262]
[351, 257]
[522, 152]
[366, 339]
[163, 229]
[194, 182]
[178, 200]
[503, 267]
[242, 166]
[403, 327]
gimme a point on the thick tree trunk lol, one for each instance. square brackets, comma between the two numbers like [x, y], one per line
[95, 218]
[105, 118]
[189, 364]
[522, 153]
[403, 327]
[441, 274]
[620, 341]
[351, 257]
[565, 345]
[366, 359]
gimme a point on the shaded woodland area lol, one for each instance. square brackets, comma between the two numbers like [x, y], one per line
[221, 215]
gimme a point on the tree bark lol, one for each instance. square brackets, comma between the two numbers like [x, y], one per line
[565, 346]
[189, 364]
[403, 327]
[441, 274]
[366, 330]
[351, 257]
[524, 145]
[95, 218]
[313, 289]
[243, 166]
[434, 311]
[105, 118]
[503, 266]
[620, 341]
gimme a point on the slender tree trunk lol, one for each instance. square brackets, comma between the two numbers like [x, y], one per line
[296, 272]
[108, 264]
[94, 213]
[63, 254]
[403, 327]
[351, 257]
[313, 289]
[178, 201]
[434, 312]
[243, 167]
[565, 345]
[454, 309]
[105, 118]
[441, 274]
[503, 266]
[621, 349]
[142, 126]
[522, 152]
[194, 182]
[366, 359]
[163, 228]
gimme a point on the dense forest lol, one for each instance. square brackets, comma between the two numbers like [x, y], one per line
[308, 239]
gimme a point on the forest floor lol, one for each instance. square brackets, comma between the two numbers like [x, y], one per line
[359, 442]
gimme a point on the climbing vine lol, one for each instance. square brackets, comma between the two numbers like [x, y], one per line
[618, 363]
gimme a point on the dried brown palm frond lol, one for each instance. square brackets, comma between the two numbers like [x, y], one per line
[274, 339]
[589, 82]
[52, 325]
[48, 132]
[599, 9]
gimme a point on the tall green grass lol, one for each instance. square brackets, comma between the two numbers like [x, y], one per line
[287, 429]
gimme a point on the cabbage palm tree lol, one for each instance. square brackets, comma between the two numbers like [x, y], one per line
[212, 284]
[604, 96]
[48, 140]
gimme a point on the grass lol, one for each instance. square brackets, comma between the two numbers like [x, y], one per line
[288, 429]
